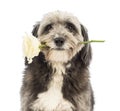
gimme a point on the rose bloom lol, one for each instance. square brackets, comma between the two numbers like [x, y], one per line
[30, 47]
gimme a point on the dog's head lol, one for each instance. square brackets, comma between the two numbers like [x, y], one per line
[62, 32]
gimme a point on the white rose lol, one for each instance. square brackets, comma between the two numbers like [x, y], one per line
[30, 47]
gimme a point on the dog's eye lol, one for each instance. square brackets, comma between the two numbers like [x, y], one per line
[71, 27]
[47, 28]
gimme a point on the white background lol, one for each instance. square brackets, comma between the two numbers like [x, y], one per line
[102, 19]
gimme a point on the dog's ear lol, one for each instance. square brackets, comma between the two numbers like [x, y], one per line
[85, 53]
[35, 29]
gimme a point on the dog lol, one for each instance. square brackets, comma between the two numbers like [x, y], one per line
[58, 78]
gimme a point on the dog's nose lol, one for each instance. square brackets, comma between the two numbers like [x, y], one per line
[59, 41]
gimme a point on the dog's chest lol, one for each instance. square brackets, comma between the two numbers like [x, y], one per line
[52, 99]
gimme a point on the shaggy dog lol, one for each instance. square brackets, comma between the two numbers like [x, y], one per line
[58, 79]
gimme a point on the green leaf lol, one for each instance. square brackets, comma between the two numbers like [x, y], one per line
[42, 46]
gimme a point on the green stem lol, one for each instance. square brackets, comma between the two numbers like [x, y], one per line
[86, 42]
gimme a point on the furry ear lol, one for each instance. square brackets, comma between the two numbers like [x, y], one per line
[35, 29]
[85, 53]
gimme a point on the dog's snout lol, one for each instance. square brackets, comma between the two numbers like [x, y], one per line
[59, 41]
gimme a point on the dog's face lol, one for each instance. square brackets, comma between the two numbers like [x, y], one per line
[62, 32]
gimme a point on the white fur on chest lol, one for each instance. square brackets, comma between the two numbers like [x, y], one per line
[52, 100]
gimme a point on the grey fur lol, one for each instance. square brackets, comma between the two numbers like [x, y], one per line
[74, 89]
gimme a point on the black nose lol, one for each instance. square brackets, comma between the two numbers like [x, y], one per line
[59, 41]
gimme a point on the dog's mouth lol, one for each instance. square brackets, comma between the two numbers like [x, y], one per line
[59, 49]
[56, 48]
[62, 49]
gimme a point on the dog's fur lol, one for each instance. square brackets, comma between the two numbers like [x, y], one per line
[58, 79]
